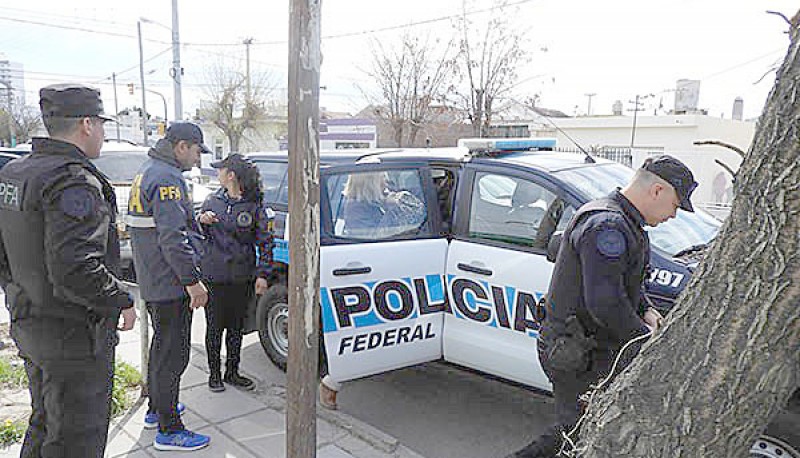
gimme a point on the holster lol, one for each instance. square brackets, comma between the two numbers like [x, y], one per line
[571, 351]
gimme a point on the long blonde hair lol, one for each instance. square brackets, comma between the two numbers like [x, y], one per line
[366, 187]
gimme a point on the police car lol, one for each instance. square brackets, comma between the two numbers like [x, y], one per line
[462, 276]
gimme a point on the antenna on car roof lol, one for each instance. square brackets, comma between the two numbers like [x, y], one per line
[589, 158]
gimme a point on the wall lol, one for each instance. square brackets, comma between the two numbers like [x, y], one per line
[674, 135]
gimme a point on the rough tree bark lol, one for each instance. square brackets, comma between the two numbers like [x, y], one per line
[729, 356]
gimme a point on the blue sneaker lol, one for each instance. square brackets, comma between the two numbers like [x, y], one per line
[151, 419]
[181, 440]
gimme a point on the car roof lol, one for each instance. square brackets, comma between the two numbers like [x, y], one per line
[325, 157]
[549, 161]
[113, 146]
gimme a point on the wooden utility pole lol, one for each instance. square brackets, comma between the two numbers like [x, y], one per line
[304, 63]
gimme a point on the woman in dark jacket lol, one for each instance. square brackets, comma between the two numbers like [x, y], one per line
[237, 250]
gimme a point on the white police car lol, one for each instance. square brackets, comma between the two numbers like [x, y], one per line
[460, 277]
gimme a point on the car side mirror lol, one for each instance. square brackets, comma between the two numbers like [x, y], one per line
[553, 245]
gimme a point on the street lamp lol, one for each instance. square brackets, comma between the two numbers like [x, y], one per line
[176, 72]
[141, 78]
[164, 100]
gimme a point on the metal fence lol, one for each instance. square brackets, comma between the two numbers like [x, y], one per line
[617, 154]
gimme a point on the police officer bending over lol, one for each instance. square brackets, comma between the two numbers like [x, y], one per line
[164, 238]
[595, 291]
[59, 254]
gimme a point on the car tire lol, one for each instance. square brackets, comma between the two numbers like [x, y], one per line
[272, 317]
[780, 439]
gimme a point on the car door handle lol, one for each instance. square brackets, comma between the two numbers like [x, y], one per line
[352, 271]
[473, 269]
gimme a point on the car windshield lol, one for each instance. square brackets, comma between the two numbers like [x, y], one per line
[120, 167]
[684, 231]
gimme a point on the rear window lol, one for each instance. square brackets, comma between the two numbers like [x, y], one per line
[274, 181]
[120, 167]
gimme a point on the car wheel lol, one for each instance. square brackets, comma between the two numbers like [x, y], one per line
[273, 325]
[781, 439]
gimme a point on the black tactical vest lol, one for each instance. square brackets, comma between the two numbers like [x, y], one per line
[31, 292]
[565, 293]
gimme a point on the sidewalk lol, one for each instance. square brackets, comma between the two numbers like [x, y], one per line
[241, 424]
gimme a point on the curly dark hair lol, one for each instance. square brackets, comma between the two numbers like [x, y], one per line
[250, 181]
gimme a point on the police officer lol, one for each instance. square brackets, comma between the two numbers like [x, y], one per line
[165, 244]
[59, 254]
[235, 264]
[595, 303]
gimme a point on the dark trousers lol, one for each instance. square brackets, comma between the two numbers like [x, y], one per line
[169, 357]
[226, 311]
[70, 366]
[568, 386]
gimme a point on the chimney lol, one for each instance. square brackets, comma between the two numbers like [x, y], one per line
[617, 108]
[738, 108]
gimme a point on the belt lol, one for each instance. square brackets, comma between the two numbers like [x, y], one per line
[140, 221]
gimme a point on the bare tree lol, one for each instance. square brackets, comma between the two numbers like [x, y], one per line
[489, 58]
[235, 100]
[728, 358]
[413, 78]
[25, 120]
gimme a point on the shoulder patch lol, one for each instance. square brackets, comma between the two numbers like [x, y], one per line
[611, 243]
[77, 202]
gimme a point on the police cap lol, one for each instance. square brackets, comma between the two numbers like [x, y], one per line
[235, 162]
[675, 173]
[187, 131]
[71, 101]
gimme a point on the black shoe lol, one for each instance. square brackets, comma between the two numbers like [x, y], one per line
[233, 378]
[215, 384]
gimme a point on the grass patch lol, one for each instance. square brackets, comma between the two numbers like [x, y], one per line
[12, 432]
[12, 375]
[126, 377]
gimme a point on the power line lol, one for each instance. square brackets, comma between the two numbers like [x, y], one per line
[264, 43]
[79, 29]
[721, 72]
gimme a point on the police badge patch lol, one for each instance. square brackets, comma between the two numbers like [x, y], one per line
[611, 243]
[244, 219]
[77, 202]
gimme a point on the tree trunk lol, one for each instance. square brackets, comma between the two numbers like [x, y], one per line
[728, 358]
[234, 139]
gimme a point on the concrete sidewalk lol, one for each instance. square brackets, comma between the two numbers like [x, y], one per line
[248, 424]
[242, 424]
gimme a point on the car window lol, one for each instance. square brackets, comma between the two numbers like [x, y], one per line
[513, 210]
[684, 231]
[5, 159]
[273, 179]
[377, 205]
[120, 167]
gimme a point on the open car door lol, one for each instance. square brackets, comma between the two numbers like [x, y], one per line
[382, 291]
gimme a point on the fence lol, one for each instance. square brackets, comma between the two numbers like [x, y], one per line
[616, 154]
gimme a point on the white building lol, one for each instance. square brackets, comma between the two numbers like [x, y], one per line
[674, 135]
[12, 82]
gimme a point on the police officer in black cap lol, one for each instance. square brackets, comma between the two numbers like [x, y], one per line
[166, 243]
[595, 295]
[59, 257]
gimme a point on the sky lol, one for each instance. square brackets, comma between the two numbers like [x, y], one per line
[614, 49]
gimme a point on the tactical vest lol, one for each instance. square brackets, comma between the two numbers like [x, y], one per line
[565, 293]
[31, 292]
